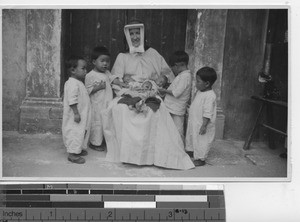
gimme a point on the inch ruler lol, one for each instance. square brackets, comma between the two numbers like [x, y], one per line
[104, 202]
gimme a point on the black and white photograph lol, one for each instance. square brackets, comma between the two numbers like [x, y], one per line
[155, 93]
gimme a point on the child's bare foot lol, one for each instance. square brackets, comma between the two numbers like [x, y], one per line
[199, 162]
[75, 158]
[83, 153]
[100, 148]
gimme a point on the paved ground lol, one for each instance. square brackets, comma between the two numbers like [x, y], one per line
[43, 155]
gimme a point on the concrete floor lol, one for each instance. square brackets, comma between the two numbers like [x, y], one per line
[43, 155]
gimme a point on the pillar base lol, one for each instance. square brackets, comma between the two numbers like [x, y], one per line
[220, 122]
[41, 115]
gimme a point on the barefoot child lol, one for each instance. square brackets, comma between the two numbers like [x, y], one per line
[202, 116]
[76, 111]
[98, 86]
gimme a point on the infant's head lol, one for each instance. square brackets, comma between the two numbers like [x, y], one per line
[161, 81]
[147, 85]
[127, 78]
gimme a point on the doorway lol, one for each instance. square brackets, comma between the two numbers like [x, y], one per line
[83, 30]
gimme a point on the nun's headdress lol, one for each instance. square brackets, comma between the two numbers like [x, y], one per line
[133, 49]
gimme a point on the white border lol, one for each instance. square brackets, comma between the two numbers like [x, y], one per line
[249, 201]
[261, 4]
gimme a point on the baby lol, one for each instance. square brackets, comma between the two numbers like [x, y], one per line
[131, 82]
[147, 85]
[162, 81]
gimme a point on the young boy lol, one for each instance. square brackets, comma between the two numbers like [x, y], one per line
[98, 86]
[178, 93]
[76, 111]
[202, 116]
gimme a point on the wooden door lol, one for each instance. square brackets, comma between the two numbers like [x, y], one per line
[85, 29]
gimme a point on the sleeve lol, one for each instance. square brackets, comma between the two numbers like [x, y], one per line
[89, 81]
[160, 65]
[118, 69]
[72, 94]
[208, 106]
[181, 86]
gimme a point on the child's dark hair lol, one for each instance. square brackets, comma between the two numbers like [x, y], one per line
[207, 74]
[72, 63]
[98, 51]
[179, 57]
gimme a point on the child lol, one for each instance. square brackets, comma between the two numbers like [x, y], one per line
[98, 86]
[202, 116]
[178, 93]
[76, 111]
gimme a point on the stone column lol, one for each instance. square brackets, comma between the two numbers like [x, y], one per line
[205, 41]
[41, 110]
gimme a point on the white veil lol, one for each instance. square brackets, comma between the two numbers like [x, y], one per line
[133, 49]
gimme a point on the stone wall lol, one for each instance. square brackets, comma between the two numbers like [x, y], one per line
[205, 41]
[41, 110]
[13, 66]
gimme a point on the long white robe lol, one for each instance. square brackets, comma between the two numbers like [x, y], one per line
[99, 102]
[142, 66]
[143, 139]
[203, 105]
[138, 138]
[75, 135]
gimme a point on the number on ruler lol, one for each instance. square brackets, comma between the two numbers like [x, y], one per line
[109, 214]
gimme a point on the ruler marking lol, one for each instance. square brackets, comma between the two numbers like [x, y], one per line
[133, 214]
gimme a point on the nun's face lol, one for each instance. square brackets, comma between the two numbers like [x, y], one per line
[135, 36]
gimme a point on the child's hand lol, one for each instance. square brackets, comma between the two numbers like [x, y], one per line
[202, 130]
[77, 118]
[161, 90]
[99, 85]
[124, 85]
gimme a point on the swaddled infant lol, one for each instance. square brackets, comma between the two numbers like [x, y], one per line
[143, 89]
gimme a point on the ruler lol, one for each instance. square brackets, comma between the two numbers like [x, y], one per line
[111, 202]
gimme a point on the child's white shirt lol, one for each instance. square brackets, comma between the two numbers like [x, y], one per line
[100, 101]
[203, 105]
[181, 89]
[74, 133]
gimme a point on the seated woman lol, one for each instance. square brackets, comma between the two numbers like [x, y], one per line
[142, 138]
